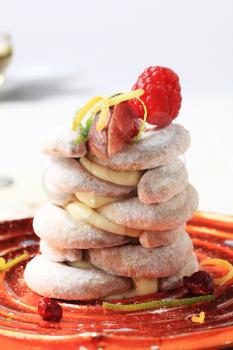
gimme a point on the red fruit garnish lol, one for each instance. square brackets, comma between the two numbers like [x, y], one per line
[49, 309]
[162, 95]
[123, 126]
[199, 283]
[97, 141]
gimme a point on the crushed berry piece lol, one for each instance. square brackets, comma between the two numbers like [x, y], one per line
[199, 283]
[49, 309]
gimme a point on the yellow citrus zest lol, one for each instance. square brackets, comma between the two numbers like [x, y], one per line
[223, 263]
[103, 118]
[112, 101]
[101, 104]
[125, 97]
[84, 110]
[198, 318]
[7, 265]
[2, 263]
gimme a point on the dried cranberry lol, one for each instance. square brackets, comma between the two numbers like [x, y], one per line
[49, 309]
[199, 283]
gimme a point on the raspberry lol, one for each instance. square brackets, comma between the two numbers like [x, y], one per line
[49, 309]
[162, 95]
[199, 283]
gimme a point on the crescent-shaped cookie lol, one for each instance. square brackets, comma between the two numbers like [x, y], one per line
[162, 183]
[57, 280]
[55, 195]
[68, 175]
[156, 147]
[153, 239]
[52, 224]
[175, 281]
[155, 217]
[136, 261]
[57, 254]
[60, 142]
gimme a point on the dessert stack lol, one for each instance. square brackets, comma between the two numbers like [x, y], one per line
[119, 198]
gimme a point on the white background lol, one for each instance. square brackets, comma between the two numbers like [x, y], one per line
[67, 51]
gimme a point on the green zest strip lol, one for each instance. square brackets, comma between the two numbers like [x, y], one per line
[13, 262]
[157, 304]
[84, 131]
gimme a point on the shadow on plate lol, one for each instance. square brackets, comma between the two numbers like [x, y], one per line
[40, 89]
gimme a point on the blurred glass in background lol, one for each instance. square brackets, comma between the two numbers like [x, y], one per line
[6, 52]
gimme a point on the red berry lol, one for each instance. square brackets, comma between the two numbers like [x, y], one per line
[199, 283]
[162, 95]
[49, 309]
[123, 126]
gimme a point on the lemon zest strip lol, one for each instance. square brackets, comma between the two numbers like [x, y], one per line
[112, 101]
[198, 318]
[13, 262]
[220, 262]
[125, 97]
[103, 118]
[99, 103]
[83, 111]
[106, 103]
[2, 263]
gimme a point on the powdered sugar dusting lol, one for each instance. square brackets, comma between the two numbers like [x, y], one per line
[60, 142]
[157, 147]
[163, 216]
[57, 280]
[152, 239]
[138, 262]
[69, 175]
[57, 254]
[164, 204]
[162, 183]
[54, 225]
[175, 281]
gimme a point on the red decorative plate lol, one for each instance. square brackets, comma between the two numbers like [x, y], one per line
[88, 326]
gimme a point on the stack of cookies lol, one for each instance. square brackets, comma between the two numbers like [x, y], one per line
[114, 227]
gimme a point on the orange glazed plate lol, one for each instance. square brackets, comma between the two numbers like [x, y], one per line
[88, 326]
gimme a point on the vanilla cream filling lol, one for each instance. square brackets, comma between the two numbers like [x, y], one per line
[83, 264]
[125, 178]
[81, 212]
[145, 286]
[141, 286]
[93, 200]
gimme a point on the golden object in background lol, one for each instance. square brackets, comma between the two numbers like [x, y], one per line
[6, 52]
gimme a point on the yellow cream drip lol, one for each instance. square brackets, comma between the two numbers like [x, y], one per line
[83, 264]
[146, 286]
[141, 286]
[93, 200]
[81, 212]
[125, 178]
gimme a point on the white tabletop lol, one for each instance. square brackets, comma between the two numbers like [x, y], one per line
[28, 109]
